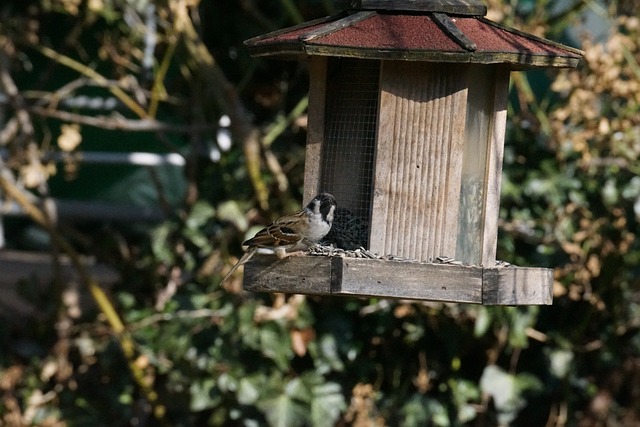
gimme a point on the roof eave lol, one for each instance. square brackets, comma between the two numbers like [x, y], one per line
[301, 50]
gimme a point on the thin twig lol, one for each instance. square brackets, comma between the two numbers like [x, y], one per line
[53, 98]
[249, 6]
[283, 123]
[180, 314]
[158, 91]
[95, 76]
[11, 89]
[120, 123]
[292, 11]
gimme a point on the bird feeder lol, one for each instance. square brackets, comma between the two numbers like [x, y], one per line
[407, 114]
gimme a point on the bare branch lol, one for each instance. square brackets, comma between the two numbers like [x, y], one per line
[121, 123]
[97, 77]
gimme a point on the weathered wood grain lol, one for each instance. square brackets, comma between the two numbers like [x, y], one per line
[482, 164]
[394, 279]
[419, 159]
[517, 286]
[517, 61]
[317, 275]
[315, 126]
[295, 274]
[495, 156]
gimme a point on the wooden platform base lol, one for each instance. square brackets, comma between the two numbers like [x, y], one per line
[324, 275]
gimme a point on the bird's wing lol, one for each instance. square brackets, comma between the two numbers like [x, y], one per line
[286, 231]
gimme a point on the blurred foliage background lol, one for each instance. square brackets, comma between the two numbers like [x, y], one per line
[164, 344]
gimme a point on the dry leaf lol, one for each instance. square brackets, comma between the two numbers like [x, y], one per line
[70, 137]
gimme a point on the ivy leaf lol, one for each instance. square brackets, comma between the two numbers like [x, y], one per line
[276, 345]
[504, 391]
[327, 404]
[159, 238]
[202, 394]
[560, 362]
[421, 411]
[284, 411]
[248, 392]
[483, 321]
[299, 389]
[201, 212]
[231, 211]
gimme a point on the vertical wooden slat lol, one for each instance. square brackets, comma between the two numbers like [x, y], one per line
[419, 159]
[482, 165]
[494, 166]
[315, 126]
[474, 165]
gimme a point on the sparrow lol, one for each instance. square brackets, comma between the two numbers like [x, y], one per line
[298, 230]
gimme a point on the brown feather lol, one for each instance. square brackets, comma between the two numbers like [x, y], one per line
[246, 257]
[285, 231]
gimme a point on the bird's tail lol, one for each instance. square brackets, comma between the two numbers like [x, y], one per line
[246, 257]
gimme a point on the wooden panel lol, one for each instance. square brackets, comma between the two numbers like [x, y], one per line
[419, 159]
[517, 286]
[494, 166]
[318, 275]
[392, 279]
[482, 165]
[295, 274]
[315, 126]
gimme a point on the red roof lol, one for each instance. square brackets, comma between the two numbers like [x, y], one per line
[420, 37]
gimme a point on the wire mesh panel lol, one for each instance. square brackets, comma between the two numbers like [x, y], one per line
[350, 140]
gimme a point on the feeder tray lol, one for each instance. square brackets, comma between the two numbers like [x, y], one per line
[347, 276]
[407, 116]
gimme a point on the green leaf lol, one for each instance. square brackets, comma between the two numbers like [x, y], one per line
[502, 388]
[482, 323]
[327, 404]
[299, 390]
[198, 238]
[203, 394]
[248, 391]
[560, 362]
[414, 331]
[528, 383]
[201, 212]
[283, 411]
[327, 355]
[421, 411]
[227, 382]
[230, 211]
[521, 320]
[275, 344]
[159, 242]
[463, 392]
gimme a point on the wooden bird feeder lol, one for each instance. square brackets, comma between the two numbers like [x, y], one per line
[407, 113]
